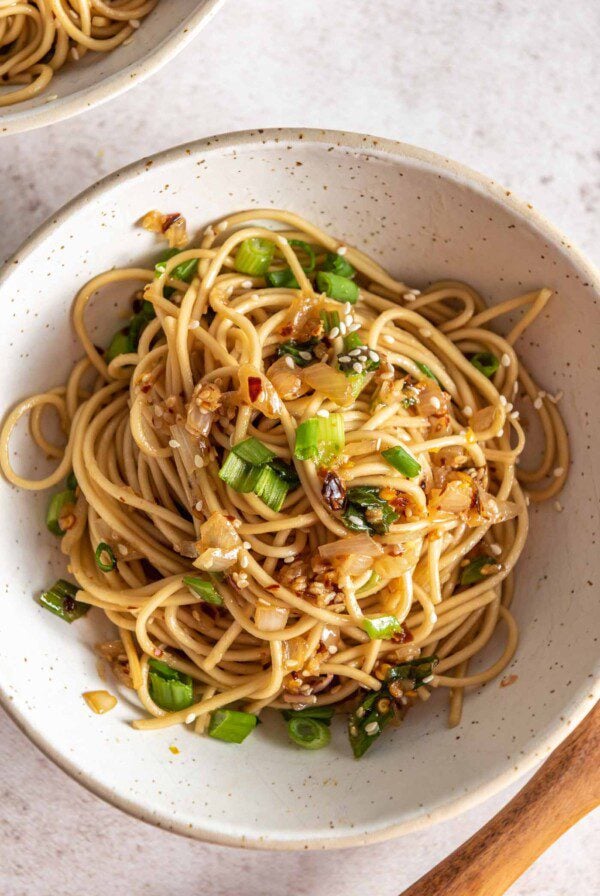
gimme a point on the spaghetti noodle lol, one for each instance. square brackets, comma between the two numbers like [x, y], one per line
[296, 481]
[38, 37]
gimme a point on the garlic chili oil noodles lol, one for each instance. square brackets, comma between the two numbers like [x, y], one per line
[291, 481]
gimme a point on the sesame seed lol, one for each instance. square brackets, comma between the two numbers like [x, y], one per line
[342, 250]
[468, 410]
[505, 360]
[409, 297]
[335, 331]
[291, 559]
[343, 329]
[353, 730]
[306, 356]
[222, 226]
[500, 433]
[388, 339]
[516, 387]
[173, 443]
[377, 444]
[134, 23]
[344, 359]
[347, 307]
[191, 717]
[558, 506]
[357, 366]
[322, 412]
[244, 561]
[428, 679]
[332, 649]
[348, 320]
[198, 461]
[355, 352]
[193, 325]
[360, 712]
[514, 415]
[538, 403]
[558, 471]
[416, 292]
[289, 361]
[246, 284]
[356, 520]
[354, 328]
[372, 728]
[496, 549]
[74, 54]
[247, 546]
[425, 332]
[436, 402]
[527, 500]
[159, 411]
[503, 401]
[374, 356]
[198, 505]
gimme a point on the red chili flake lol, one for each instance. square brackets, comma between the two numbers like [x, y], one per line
[272, 587]
[508, 680]
[254, 387]
[333, 491]
[169, 220]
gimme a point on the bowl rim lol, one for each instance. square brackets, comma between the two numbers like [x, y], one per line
[357, 142]
[21, 120]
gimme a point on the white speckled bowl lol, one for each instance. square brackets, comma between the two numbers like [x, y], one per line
[424, 217]
[99, 77]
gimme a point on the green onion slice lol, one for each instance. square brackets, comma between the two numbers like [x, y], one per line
[254, 256]
[183, 271]
[306, 249]
[339, 288]
[253, 452]
[105, 557]
[485, 362]
[71, 481]
[271, 488]
[381, 627]
[282, 278]
[308, 733]
[286, 472]
[320, 439]
[368, 720]
[416, 671]
[324, 714]
[366, 511]
[120, 344]
[331, 319]
[240, 475]
[473, 573]
[231, 725]
[170, 689]
[427, 371]
[56, 508]
[402, 461]
[337, 264]
[299, 351]
[373, 580]
[204, 589]
[61, 600]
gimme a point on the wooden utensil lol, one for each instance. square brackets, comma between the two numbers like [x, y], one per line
[565, 788]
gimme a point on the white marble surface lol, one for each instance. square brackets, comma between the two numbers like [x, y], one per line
[510, 88]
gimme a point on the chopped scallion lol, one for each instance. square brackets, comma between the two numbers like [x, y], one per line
[231, 725]
[367, 511]
[71, 481]
[308, 733]
[320, 439]
[307, 264]
[337, 264]
[170, 689]
[321, 713]
[254, 256]
[253, 452]
[486, 362]
[331, 320]
[61, 600]
[105, 557]
[427, 371]
[240, 475]
[371, 582]
[474, 573]
[287, 472]
[381, 627]
[271, 488]
[204, 589]
[298, 351]
[120, 344]
[59, 504]
[335, 287]
[402, 461]
[183, 271]
[282, 278]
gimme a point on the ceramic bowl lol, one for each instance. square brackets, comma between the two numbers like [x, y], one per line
[424, 218]
[101, 76]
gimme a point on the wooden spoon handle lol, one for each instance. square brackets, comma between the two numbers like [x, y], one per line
[565, 788]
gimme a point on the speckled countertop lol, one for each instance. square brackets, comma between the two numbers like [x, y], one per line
[510, 88]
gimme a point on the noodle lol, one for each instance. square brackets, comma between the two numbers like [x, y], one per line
[295, 588]
[37, 37]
